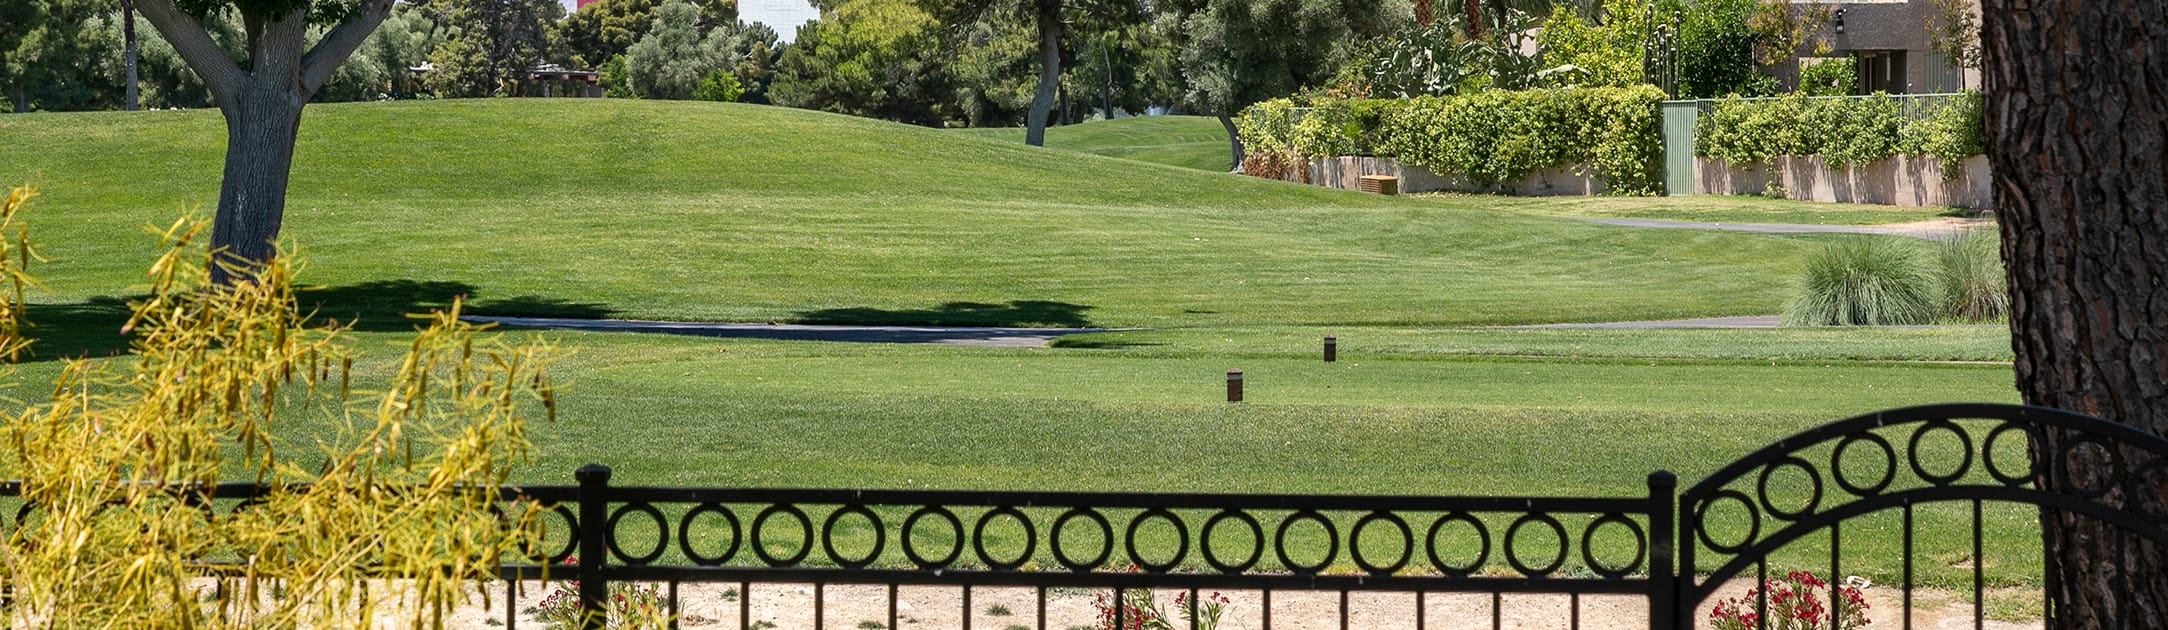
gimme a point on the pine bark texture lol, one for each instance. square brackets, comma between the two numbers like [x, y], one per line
[1048, 14]
[2077, 133]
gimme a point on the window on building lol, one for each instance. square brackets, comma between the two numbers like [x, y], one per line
[1881, 71]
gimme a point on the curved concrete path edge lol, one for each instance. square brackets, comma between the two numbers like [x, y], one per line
[1932, 229]
[1754, 321]
[942, 335]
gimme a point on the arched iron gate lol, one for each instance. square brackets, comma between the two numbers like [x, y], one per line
[1901, 445]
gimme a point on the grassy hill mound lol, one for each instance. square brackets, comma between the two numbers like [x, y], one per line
[1187, 141]
[701, 211]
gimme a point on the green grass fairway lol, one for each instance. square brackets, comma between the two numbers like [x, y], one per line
[740, 212]
[1718, 208]
[1197, 142]
[702, 211]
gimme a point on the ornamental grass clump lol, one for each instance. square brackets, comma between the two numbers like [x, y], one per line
[392, 523]
[1865, 282]
[1974, 288]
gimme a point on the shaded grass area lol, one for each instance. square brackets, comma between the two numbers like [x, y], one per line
[1197, 142]
[1716, 208]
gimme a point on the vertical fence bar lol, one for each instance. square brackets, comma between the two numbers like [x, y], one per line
[1761, 592]
[745, 604]
[1908, 565]
[892, 608]
[1268, 609]
[1121, 605]
[511, 604]
[1042, 610]
[1979, 577]
[1343, 609]
[2047, 570]
[1836, 575]
[675, 609]
[1497, 614]
[967, 607]
[1663, 591]
[1421, 602]
[594, 543]
[820, 606]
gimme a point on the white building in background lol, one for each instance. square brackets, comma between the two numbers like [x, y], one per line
[782, 15]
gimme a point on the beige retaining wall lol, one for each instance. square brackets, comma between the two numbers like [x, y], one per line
[1342, 172]
[1898, 181]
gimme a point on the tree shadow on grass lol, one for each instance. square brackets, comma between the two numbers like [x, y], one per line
[91, 328]
[88, 329]
[1018, 313]
[384, 305]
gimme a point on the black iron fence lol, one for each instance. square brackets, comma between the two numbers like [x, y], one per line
[1672, 549]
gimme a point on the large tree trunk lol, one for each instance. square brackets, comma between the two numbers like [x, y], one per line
[262, 105]
[1422, 13]
[261, 125]
[1106, 89]
[1472, 12]
[21, 98]
[2079, 147]
[1049, 18]
[1234, 144]
[129, 53]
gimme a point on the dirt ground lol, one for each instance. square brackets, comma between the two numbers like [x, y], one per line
[790, 607]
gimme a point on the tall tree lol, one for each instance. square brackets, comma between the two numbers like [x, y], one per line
[493, 45]
[671, 59]
[607, 28]
[262, 101]
[130, 55]
[1052, 24]
[1237, 52]
[2077, 130]
[46, 60]
[874, 58]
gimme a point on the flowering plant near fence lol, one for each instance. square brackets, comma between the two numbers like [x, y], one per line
[1797, 601]
[630, 606]
[1140, 610]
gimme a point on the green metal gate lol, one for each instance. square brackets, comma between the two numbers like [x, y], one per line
[1679, 146]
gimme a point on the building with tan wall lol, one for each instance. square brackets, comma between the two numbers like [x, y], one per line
[1889, 38]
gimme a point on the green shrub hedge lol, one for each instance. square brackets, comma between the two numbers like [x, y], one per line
[1844, 131]
[1489, 137]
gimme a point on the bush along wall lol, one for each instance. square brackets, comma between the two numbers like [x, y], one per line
[1843, 131]
[1488, 137]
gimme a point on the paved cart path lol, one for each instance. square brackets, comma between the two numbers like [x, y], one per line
[945, 335]
[1932, 229]
[1754, 321]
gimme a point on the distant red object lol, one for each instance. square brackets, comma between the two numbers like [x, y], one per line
[583, 4]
